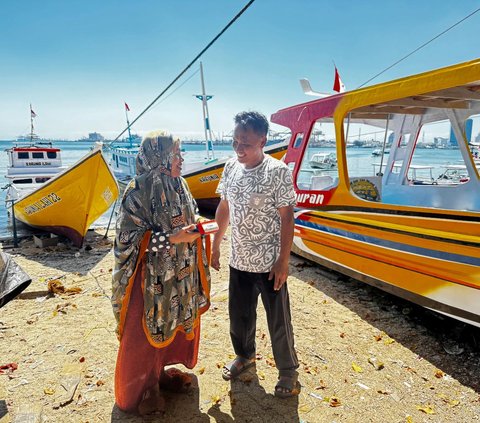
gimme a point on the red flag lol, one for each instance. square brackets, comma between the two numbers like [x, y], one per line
[338, 85]
[126, 107]
[32, 113]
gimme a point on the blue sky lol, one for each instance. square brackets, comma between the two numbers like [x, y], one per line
[78, 61]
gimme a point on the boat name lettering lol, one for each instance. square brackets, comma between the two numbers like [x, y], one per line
[43, 203]
[38, 163]
[309, 198]
[209, 178]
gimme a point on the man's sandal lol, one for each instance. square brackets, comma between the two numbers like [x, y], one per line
[288, 384]
[235, 368]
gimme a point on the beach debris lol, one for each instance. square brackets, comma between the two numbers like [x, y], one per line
[314, 395]
[62, 308]
[216, 399]
[13, 279]
[303, 264]
[439, 374]
[55, 286]
[313, 370]
[452, 348]
[450, 402]
[201, 370]
[356, 367]
[334, 402]
[321, 385]
[8, 368]
[21, 383]
[261, 375]
[361, 385]
[28, 413]
[427, 409]
[377, 364]
[69, 380]
[270, 361]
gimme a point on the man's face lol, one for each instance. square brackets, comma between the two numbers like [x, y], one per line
[248, 146]
[176, 162]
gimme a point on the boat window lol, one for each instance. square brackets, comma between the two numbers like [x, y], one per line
[318, 170]
[298, 140]
[123, 159]
[422, 158]
[23, 155]
[41, 180]
[22, 181]
[52, 154]
[367, 149]
[37, 155]
[438, 149]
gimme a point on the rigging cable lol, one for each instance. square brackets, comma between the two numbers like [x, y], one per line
[188, 66]
[418, 48]
[176, 89]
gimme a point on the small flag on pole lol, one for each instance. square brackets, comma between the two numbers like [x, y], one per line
[126, 107]
[338, 85]
[32, 113]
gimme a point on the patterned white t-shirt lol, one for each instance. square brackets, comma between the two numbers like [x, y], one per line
[254, 197]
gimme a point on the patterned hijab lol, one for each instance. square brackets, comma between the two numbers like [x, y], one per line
[156, 153]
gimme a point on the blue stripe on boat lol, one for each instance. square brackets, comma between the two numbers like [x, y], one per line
[391, 244]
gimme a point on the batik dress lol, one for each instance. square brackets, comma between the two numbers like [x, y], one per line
[160, 289]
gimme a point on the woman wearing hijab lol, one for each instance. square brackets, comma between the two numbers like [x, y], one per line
[161, 280]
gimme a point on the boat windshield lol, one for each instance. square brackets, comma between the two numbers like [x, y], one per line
[319, 171]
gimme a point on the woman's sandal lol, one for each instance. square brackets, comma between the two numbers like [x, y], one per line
[288, 384]
[236, 367]
[174, 380]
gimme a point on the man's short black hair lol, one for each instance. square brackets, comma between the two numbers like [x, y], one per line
[255, 121]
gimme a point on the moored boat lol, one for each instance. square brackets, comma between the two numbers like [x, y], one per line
[323, 161]
[65, 202]
[420, 241]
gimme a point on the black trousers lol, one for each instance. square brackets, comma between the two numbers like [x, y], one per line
[244, 289]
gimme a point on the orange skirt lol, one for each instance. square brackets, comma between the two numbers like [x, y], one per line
[139, 364]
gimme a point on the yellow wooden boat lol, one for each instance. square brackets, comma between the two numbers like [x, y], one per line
[72, 200]
[202, 178]
[416, 237]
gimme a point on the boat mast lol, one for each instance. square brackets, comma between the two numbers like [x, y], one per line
[206, 118]
[127, 109]
[32, 115]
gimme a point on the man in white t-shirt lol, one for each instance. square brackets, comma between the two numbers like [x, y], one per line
[257, 199]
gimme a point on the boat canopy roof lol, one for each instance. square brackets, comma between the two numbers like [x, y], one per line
[455, 87]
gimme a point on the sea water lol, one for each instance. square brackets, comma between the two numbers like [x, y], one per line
[360, 162]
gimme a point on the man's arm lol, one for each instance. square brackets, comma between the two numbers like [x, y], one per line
[280, 268]
[222, 217]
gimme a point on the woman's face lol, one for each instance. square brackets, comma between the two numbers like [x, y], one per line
[177, 161]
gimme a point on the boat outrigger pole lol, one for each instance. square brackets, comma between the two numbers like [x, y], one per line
[206, 118]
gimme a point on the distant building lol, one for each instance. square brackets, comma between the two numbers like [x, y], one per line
[95, 136]
[441, 142]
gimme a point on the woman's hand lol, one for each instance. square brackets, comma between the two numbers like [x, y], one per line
[185, 234]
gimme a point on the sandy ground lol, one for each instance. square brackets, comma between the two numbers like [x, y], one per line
[365, 356]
